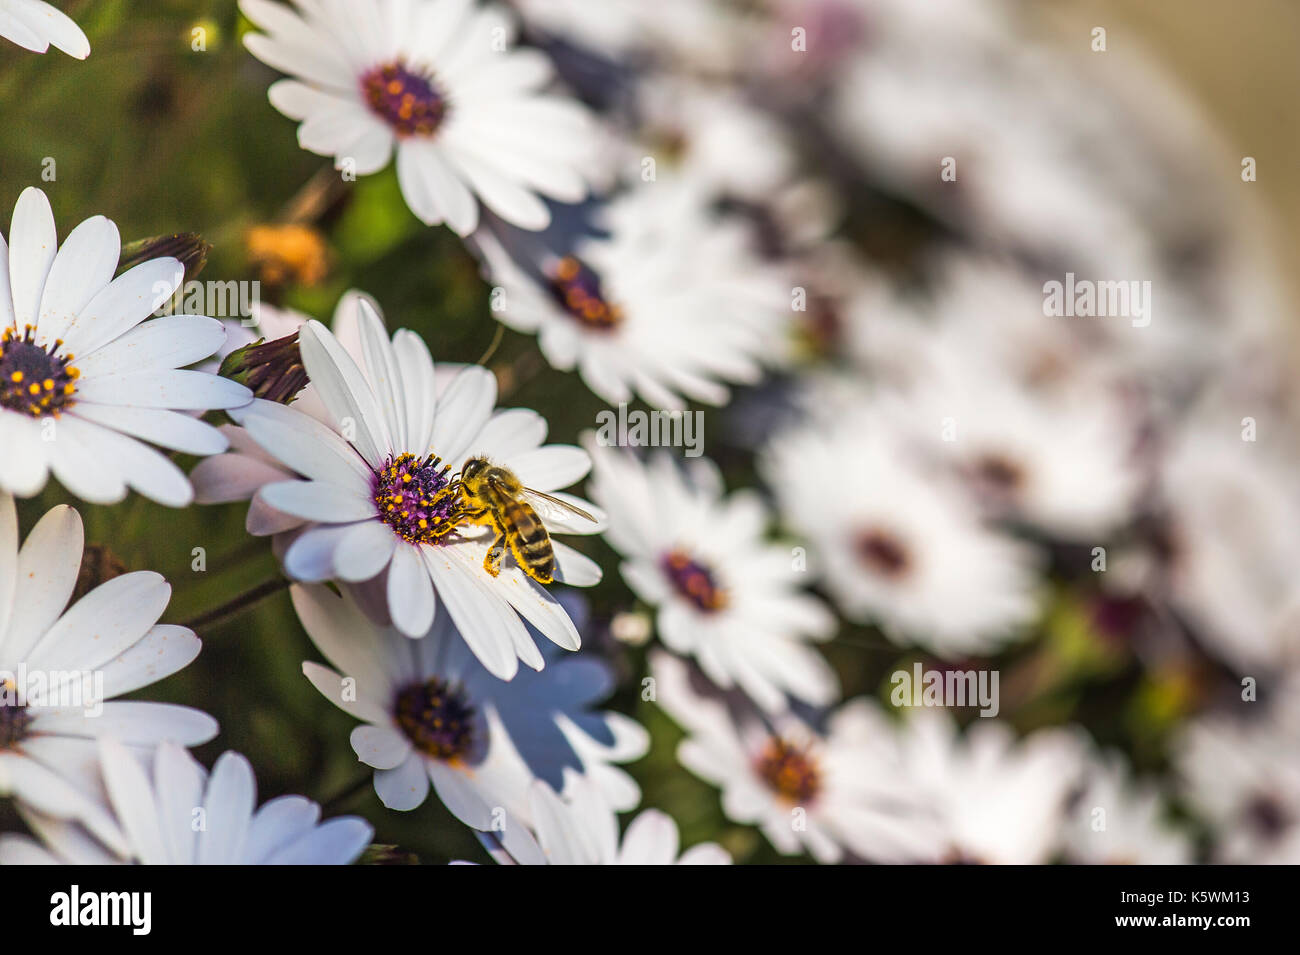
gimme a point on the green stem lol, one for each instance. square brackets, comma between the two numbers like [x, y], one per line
[238, 604]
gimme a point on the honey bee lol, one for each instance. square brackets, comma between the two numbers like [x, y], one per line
[494, 497]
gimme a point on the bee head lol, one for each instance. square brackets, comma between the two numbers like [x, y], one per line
[474, 470]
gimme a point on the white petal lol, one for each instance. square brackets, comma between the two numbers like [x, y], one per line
[83, 266]
[332, 687]
[33, 244]
[123, 304]
[172, 341]
[463, 410]
[179, 390]
[405, 787]
[168, 429]
[380, 746]
[304, 444]
[410, 592]
[344, 391]
[47, 565]
[103, 623]
[228, 810]
[365, 551]
[133, 800]
[24, 467]
[488, 624]
[318, 501]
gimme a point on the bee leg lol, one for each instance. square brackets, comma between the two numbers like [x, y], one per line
[497, 553]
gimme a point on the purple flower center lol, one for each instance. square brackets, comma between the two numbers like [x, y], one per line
[437, 718]
[693, 581]
[33, 380]
[417, 499]
[407, 100]
[576, 288]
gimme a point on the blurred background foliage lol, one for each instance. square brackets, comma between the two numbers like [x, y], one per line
[162, 137]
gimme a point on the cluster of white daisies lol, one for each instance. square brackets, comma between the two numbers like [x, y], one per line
[657, 190]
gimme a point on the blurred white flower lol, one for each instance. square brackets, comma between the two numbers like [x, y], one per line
[433, 714]
[36, 25]
[1065, 464]
[711, 135]
[1233, 507]
[1117, 820]
[580, 828]
[440, 82]
[1242, 776]
[997, 800]
[725, 596]
[894, 544]
[701, 35]
[376, 502]
[83, 375]
[673, 304]
[71, 661]
[832, 794]
[156, 812]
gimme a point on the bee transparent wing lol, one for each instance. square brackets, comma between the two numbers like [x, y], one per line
[550, 508]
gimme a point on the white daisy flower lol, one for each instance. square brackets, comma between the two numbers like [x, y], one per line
[1232, 505]
[376, 502]
[83, 375]
[691, 34]
[832, 794]
[1116, 820]
[156, 813]
[724, 594]
[1242, 776]
[1066, 464]
[897, 546]
[997, 800]
[238, 474]
[580, 828]
[60, 671]
[439, 82]
[36, 25]
[712, 135]
[433, 715]
[672, 304]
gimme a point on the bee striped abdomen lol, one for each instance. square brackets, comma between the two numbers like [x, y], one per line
[529, 541]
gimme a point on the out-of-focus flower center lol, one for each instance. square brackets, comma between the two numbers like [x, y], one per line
[693, 581]
[883, 553]
[14, 717]
[1268, 815]
[790, 770]
[407, 100]
[999, 474]
[577, 289]
[35, 380]
[417, 499]
[437, 718]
